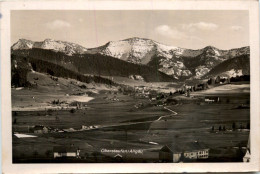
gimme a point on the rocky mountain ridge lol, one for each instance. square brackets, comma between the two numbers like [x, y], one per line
[175, 61]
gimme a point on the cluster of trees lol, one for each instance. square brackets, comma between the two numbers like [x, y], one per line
[83, 86]
[218, 80]
[240, 78]
[56, 102]
[234, 127]
[241, 126]
[19, 70]
[126, 89]
[19, 78]
[220, 128]
[197, 87]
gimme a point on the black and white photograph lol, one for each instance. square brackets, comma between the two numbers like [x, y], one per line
[130, 86]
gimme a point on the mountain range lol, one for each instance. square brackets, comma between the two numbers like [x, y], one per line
[138, 54]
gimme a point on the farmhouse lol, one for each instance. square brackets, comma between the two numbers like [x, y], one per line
[77, 105]
[211, 99]
[38, 129]
[66, 152]
[83, 127]
[140, 89]
[179, 153]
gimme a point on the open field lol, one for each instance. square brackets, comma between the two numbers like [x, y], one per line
[137, 133]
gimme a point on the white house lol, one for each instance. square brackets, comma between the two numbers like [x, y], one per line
[210, 99]
[66, 152]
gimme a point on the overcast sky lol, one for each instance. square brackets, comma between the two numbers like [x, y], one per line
[187, 29]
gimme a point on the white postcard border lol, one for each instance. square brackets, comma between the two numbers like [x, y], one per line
[8, 167]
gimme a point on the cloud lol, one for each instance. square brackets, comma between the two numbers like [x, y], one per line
[174, 33]
[201, 26]
[167, 31]
[236, 28]
[58, 24]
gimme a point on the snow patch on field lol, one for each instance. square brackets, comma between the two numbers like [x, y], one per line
[81, 98]
[24, 136]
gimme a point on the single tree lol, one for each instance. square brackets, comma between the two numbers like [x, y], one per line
[48, 153]
[72, 110]
[234, 126]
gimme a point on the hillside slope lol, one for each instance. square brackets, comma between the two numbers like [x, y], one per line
[95, 64]
[232, 67]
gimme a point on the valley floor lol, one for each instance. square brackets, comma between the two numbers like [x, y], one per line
[130, 126]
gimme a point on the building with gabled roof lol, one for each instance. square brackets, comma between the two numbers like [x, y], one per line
[189, 151]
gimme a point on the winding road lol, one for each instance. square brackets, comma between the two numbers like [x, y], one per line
[173, 113]
[134, 123]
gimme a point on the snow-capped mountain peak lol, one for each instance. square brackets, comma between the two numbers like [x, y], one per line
[136, 50]
[23, 44]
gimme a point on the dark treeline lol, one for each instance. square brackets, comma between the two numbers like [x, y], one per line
[19, 70]
[19, 77]
[240, 78]
[97, 64]
[19, 74]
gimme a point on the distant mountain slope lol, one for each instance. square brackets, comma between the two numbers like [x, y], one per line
[173, 61]
[95, 64]
[199, 65]
[239, 65]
